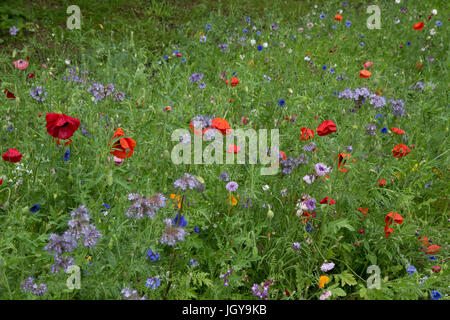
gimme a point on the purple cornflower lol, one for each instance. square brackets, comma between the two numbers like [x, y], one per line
[322, 16]
[143, 205]
[321, 169]
[172, 234]
[193, 262]
[349, 148]
[348, 23]
[119, 96]
[274, 26]
[296, 246]
[38, 94]
[232, 186]
[377, 101]
[224, 276]
[309, 178]
[153, 283]
[13, 30]
[310, 203]
[224, 176]
[371, 129]
[196, 77]
[202, 85]
[411, 270]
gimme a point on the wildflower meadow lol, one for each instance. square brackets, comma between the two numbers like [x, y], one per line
[224, 150]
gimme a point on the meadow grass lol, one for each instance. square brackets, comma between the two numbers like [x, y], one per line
[133, 45]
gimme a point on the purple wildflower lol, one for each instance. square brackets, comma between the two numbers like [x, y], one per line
[232, 186]
[173, 234]
[321, 169]
[38, 94]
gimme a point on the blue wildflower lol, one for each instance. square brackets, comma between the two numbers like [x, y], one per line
[153, 256]
[384, 130]
[348, 24]
[411, 270]
[153, 283]
[208, 27]
[435, 295]
[179, 222]
[260, 47]
[35, 208]
[322, 16]
[245, 31]
[281, 102]
[66, 156]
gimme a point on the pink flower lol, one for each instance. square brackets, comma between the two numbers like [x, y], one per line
[326, 295]
[118, 161]
[44, 66]
[21, 64]
[368, 64]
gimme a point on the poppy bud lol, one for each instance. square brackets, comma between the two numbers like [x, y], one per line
[270, 214]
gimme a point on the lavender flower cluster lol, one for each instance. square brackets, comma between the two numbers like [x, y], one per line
[29, 285]
[129, 294]
[263, 290]
[38, 94]
[290, 163]
[143, 205]
[100, 92]
[189, 182]
[360, 95]
[79, 227]
[76, 76]
[202, 122]
[174, 232]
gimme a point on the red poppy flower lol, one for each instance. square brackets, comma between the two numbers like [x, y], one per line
[365, 74]
[338, 17]
[9, 94]
[61, 126]
[343, 157]
[393, 216]
[234, 81]
[387, 231]
[326, 127]
[306, 134]
[30, 75]
[398, 131]
[233, 148]
[327, 200]
[400, 151]
[419, 26]
[433, 249]
[424, 241]
[282, 155]
[124, 147]
[381, 182]
[221, 125]
[12, 155]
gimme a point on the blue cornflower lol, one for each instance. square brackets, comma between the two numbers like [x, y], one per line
[432, 258]
[203, 39]
[334, 26]
[107, 206]
[348, 24]
[384, 130]
[179, 222]
[66, 156]
[439, 23]
[322, 16]
[260, 47]
[245, 31]
[202, 85]
[247, 19]
[324, 68]
[411, 270]
[166, 57]
[362, 44]
[153, 256]
[408, 43]
[183, 60]
[35, 208]
[309, 228]
[153, 283]
[196, 229]
[258, 33]
[13, 30]
[208, 27]
[281, 102]
[435, 295]
[193, 262]
[344, 3]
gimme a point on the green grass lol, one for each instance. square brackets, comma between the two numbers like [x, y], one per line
[124, 43]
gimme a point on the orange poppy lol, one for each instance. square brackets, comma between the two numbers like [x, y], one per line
[221, 125]
[387, 231]
[177, 200]
[419, 26]
[433, 249]
[400, 151]
[365, 74]
[306, 134]
[323, 280]
[343, 157]
[338, 17]
[123, 148]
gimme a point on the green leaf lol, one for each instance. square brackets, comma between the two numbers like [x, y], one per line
[346, 278]
[338, 292]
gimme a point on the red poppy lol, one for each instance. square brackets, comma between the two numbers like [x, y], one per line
[306, 134]
[338, 17]
[398, 131]
[365, 74]
[343, 157]
[424, 241]
[393, 216]
[326, 127]
[30, 75]
[381, 182]
[419, 26]
[221, 125]
[233, 148]
[124, 147]
[282, 155]
[387, 231]
[327, 200]
[433, 249]
[234, 81]
[61, 126]
[400, 151]
[307, 216]
[9, 94]
[197, 131]
[12, 155]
